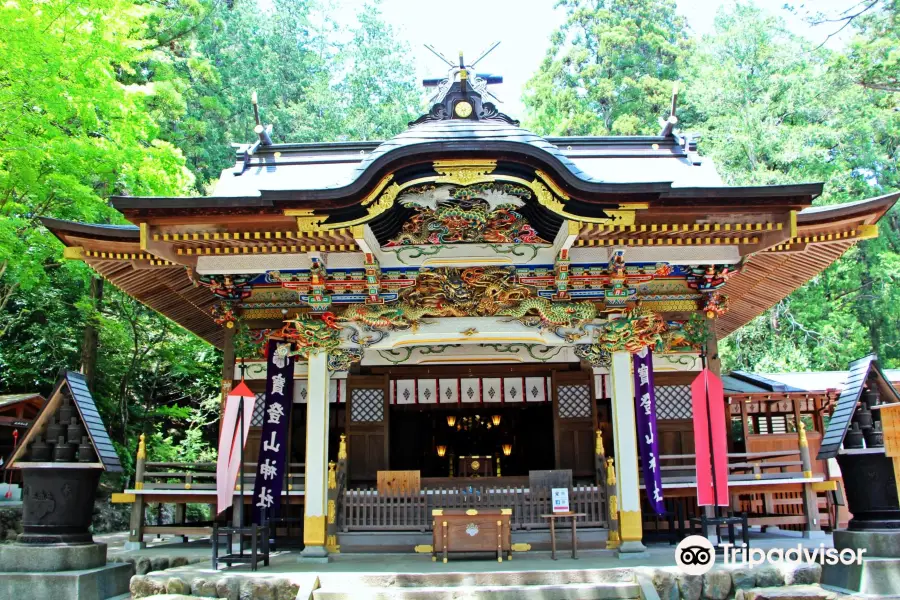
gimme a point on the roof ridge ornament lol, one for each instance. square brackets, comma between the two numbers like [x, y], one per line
[461, 94]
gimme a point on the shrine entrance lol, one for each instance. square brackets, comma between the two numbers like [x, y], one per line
[472, 441]
[501, 421]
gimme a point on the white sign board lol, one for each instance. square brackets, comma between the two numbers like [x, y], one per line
[560, 500]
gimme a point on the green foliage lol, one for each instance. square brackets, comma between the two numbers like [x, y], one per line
[611, 68]
[782, 111]
[95, 97]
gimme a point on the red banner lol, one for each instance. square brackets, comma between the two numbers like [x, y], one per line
[228, 462]
[708, 402]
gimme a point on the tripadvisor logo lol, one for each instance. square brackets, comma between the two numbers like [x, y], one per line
[695, 555]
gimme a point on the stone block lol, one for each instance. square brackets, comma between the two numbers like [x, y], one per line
[689, 586]
[204, 587]
[884, 544]
[285, 589]
[24, 558]
[769, 576]
[743, 578]
[142, 565]
[142, 587]
[229, 588]
[257, 589]
[717, 585]
[178, 561]
[793, 592]
[663, 582]
[802, 573]
[89, 584]
[159, 563]
[176, 585]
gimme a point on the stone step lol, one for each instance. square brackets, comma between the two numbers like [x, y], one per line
[791, 592]
[570, 591]
[488, 578]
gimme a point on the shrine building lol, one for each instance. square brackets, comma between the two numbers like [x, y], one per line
[464, 302]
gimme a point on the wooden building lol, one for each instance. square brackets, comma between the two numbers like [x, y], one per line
[465, 299]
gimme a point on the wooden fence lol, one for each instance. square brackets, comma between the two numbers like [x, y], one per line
[368, 510]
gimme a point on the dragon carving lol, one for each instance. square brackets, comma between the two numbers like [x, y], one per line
[475, 213]
[476, 291]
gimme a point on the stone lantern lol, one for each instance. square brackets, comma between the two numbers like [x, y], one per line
[61, 459]
[863, 435]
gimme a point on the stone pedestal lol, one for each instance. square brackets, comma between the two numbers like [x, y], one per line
[882, 544]
[879, 572]
[74, 572]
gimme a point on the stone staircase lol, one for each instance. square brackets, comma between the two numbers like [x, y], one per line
[587, 584]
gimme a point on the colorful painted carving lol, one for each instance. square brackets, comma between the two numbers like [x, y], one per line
[710, 277]
[551, 315]
[223, 314]
[448, 214]
[686, 335]
[594, 354]
[341, 360]
[617, 293]
[633, 331]
[311, 336]
[716, 305]
[227, 287]
[561, 277]
[373, 280]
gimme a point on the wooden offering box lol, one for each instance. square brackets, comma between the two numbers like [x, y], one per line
[472, 531]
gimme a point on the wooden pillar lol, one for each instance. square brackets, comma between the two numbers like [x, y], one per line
[180, 510]
[744, 428]
[627, 472]
[812, 529]
[316, 489]
[136, 525]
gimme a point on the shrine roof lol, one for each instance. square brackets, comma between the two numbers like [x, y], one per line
[742, 382]
[611, 160]
[7, 400]
[662, 166]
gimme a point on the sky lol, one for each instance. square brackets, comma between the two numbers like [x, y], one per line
[523, 28]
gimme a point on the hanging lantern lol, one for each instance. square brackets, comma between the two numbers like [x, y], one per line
[441, 450]
[451, 420]
[507, 449]
[495, 420]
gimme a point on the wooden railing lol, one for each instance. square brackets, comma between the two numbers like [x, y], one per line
[776, 507]
[201, 476]
[369, 510]
[742, 466]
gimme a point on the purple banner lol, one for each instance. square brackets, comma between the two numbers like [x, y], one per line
[645, 409]
[273, 449]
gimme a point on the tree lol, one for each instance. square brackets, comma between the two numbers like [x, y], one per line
[772, 108]
[611, 68]
[95, 96]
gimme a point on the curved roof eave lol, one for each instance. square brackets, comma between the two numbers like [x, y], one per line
[858, 208]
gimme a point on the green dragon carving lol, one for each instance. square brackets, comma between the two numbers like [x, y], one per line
[551, 315]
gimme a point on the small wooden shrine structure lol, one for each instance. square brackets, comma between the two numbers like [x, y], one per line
[470, 289]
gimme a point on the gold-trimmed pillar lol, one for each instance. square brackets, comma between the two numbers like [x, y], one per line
[627, 471]
[316, 480]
